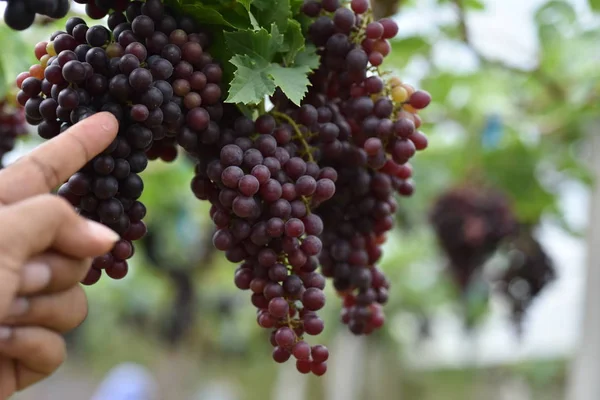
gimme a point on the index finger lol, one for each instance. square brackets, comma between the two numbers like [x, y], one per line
[55, 161]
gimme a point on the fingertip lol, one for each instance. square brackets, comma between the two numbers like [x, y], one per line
[107, 121]
[103, 236]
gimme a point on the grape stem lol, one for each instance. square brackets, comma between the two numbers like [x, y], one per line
[298, 135]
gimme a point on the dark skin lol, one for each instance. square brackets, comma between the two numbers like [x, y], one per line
[45, 251]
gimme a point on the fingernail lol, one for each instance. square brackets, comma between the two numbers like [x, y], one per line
[36, 276]
[110, 126]
[5, 332]
[18, 307]
[102, 232]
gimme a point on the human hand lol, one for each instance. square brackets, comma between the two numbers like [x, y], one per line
[45, 250]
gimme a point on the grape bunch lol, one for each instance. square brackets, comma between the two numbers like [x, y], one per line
[529, 271]
[12, 126]
[151, 72]
[313, 185]
[298, 194]
[20, 14]
[262, 189]
[470, 223]
[372, 133]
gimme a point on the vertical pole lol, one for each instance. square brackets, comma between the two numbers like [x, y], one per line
[345, 378]
[584, 379]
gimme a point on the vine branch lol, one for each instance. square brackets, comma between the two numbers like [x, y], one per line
[465, 35]
[385, 8]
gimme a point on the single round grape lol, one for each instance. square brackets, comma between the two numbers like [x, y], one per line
[420, 99]
[139, 112]
[261, 173]
[330, 5]
[105, 187]
[390, 28]
[248, 185]
[104, 164]
[280, 355]
[161, 69]
[192, 100]
[140, 79]
[171, 53]
[222, 239]
[166, 90]
[303, 366]
[154, 9]
[138, 50]
[142, 26]
[198, 118]
[344, 19]
[306, 185]
[285, 337]
[137, 161]
[64, 42]
[92, 277]
[74, 72]
[68, 98]
[181, 87]
[156, 42]
[132, 186]
[31, 86]
[198, 81]
[110, 210]
[191, 52]
[278, 307]
[152, 98]
[313, 299]
[244, 207]
[301, 350]
[213, 73]
[97, 36]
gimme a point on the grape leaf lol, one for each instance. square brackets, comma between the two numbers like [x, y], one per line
[273, 11]
[293, 81]
[245, 3]
[253, 21]
[258, 44]
[251, 81]
[475, 5]
[293, 41]
[216, 13]
[308, 57]
[256, 78]
[296, 6]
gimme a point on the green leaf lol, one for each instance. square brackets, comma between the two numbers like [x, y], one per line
[257, 44]
[474, 5]
[245, 3]
[308, 57]
[251, 82]
[256, 78]
[594, 5]
[253, 21]
[293, 41]
[293, 81]
[273, 11]
[215, 14]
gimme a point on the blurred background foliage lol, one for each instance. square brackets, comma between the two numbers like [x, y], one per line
[520, 129]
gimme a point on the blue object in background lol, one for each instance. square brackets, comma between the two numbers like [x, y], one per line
[492, 132]
[127, 381]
